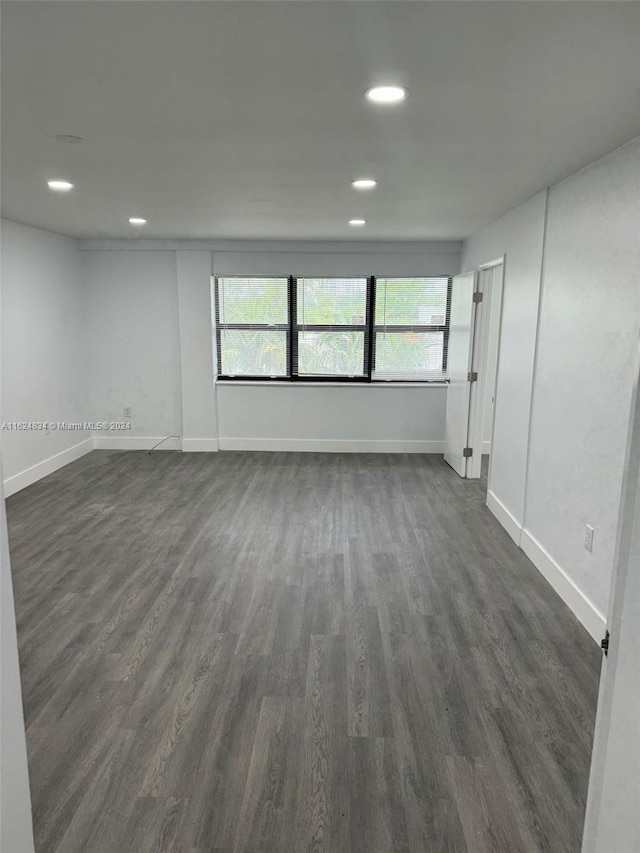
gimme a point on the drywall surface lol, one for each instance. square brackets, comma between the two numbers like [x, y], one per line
[133, 328]
[44, 348]
[332, 417]
[587, 340]
[16, 829]
[494, 309]
[340, 417]
[612, 820]
[338, 259]
[519, 235]
[199, 413]
[149, 322]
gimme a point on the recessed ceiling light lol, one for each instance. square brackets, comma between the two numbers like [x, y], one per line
[386, 94]
[60, 186]
[136, 220]
[363, 184]
[357, 222]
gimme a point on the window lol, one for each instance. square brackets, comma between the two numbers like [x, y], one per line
[331, 322]
[411, 329]
[252, 320]
[344, 329]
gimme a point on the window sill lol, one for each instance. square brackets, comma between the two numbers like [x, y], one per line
[262, 383]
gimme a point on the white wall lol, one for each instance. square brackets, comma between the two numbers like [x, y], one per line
[98, 326]
[44, 350]
[570, 324]
[199, 418]
[338, 259]
[519, 236]
[363, 417]
[16, 829]
[133, 326]
[589, 327]
[612, 820]
[332, 417]
[494, 289]
[154, 300]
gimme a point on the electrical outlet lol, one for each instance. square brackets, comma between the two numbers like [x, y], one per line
[128, 411]
[588, 537]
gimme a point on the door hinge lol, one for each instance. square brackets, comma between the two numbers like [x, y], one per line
[472, 376]
[477, 296]
[604, 644]
[467, 452]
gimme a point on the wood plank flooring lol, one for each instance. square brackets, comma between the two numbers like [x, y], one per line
[292, 653]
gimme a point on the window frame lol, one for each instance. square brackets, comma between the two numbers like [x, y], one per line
[297, 328]
[419, 328]
[292, 330]
[258, 327]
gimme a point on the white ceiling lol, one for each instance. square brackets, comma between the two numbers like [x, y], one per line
[247, 120]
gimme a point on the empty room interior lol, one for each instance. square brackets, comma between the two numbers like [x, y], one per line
[320, 440]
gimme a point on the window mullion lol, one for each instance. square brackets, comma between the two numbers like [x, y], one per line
[447, 322]
[293, 328]
[216, 297]
[369, 338]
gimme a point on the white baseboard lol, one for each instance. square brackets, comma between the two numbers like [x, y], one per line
[505, 518]
[486, 447]
[572, 596]
[199, 445]
[47, 466]
[330, 445]
[552, 572]
[135, 442]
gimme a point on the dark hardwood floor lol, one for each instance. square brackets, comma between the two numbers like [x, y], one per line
[286, 653]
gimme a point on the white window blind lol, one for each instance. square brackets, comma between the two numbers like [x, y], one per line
[410, 329]
[252, 319]
[331, 327]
